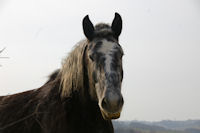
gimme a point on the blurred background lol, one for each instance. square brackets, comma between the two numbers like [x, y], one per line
[161, 41]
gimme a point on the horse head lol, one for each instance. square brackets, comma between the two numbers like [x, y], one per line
[104, 65]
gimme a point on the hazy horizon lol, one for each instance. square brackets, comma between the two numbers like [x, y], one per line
[161, 42]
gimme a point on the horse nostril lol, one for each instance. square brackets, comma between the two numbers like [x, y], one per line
[104, 103]
[112, 103]
[121, 101]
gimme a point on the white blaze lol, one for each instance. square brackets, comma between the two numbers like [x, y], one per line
[107, 48]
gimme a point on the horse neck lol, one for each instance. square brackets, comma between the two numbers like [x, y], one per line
[78, 104]
[76, 95]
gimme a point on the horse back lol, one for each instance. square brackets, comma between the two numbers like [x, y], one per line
[17, 113]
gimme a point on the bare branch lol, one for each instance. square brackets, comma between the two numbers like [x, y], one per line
[2, 50]
[3, 57]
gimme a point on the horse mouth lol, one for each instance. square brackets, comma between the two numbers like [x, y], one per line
[109, 116]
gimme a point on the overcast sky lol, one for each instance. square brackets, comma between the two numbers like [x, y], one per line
[161, 41]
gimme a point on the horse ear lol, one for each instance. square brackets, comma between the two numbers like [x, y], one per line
[117, 25]
[88, 28]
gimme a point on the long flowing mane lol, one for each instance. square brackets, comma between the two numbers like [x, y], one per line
[71, 73]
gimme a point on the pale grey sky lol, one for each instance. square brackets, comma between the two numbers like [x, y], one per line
[161, 40]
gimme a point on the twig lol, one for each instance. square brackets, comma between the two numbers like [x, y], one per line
[15, 122]
[26, 117]
[3, 57]
[2, 50]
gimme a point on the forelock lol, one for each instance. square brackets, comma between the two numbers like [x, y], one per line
[103, 30]
[101, 26]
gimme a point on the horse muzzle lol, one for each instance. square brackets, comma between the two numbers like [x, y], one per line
[111, 106]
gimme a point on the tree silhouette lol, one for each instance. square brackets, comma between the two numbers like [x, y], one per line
[1, 51]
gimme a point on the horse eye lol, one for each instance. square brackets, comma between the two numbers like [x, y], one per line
[121, 56]
[91, 57]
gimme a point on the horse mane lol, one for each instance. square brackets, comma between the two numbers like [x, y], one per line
[53, 76]
[71, 74]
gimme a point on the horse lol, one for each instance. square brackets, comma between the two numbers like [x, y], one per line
[84, 95]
